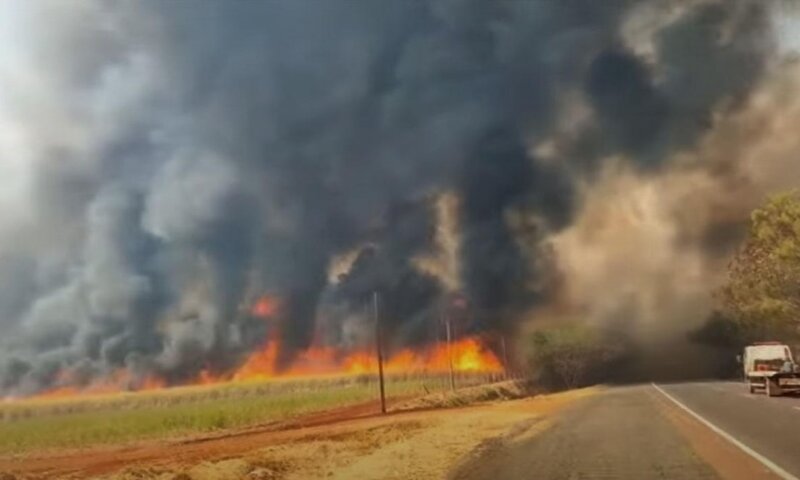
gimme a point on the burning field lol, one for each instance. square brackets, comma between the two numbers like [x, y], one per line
[119, 409]
[466, 355]
[122, 406]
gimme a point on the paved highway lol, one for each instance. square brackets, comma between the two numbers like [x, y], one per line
[640, 432]
[768, 426]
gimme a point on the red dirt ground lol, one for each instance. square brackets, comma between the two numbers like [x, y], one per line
[100, 460]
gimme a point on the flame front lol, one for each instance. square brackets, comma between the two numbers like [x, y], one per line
[467, 354]
[118, 381]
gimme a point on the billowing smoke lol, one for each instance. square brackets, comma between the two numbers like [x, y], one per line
[166, 164]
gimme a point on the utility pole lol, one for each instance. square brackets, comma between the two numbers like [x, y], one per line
[449, 351]
[505, 356]
[379, 348]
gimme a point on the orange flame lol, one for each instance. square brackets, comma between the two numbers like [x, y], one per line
[466, 355]
[119, 380]
[265, 306]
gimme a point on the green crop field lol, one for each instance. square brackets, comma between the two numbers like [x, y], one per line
[73, 422]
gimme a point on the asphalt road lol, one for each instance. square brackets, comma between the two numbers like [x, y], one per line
[636, 432]
[769, 426]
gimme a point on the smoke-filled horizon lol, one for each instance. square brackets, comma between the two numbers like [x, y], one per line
[166, 164]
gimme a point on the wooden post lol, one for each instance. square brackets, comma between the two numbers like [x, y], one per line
[379, 349]
[449, 351]
[505, 356]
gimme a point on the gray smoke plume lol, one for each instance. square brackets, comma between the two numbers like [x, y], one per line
[167, 163]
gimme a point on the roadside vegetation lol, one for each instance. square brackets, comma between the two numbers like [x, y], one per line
[571, 356]
[74, 422]
[760, 299]
[762, 294]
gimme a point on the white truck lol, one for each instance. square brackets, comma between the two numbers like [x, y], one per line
[770, 366]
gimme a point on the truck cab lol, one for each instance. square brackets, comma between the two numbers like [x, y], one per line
[770, 366]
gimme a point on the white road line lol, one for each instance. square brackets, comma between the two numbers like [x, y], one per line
[722, 433]
[796, 408]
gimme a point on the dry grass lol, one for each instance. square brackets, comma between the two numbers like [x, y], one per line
[508, 390]
[422, 445]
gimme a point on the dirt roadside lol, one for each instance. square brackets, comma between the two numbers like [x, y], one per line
[345, 443]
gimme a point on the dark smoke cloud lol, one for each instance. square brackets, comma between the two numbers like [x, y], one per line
[188, 158]
[408, 298]
[630, 109]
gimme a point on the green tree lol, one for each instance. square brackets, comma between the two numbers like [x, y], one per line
[571, 355]
[762, 293]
